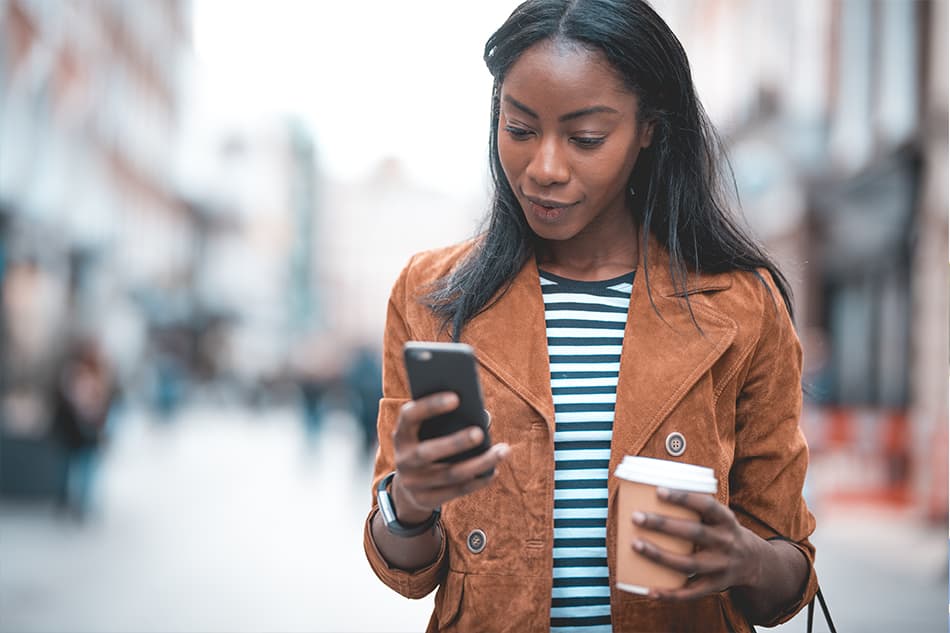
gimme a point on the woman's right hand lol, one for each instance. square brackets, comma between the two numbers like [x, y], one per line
[423, 483]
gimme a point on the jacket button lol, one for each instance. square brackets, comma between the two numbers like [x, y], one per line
[675, 444]
[476, 541]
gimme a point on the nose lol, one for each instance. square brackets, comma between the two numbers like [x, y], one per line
[548, 165]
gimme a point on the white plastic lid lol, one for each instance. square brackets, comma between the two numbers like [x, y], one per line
[670, 474]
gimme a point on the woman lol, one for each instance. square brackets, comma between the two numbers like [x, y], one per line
[615, 309]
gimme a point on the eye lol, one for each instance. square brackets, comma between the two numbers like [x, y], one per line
[588, 142]
[517, 133]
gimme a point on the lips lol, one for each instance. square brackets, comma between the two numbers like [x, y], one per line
[548, 204]
[549, 210]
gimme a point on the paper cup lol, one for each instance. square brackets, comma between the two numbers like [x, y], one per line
[638, 479]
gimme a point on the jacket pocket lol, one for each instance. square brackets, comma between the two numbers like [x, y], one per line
[488, 603]
[640, 614]
[448, 601]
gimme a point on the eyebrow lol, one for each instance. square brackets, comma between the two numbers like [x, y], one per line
[564, 117]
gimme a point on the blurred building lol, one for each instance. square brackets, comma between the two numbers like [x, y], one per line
[256, 272]
[90, 96]
[181, 236]
[835, 115]
[370, 231]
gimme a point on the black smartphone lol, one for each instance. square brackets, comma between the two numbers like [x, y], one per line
[435, 367]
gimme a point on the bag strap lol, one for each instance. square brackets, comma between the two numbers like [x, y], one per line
[811, 614]
[824, 610]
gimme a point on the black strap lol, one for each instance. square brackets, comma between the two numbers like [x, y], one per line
[824, 609]
[811, 613]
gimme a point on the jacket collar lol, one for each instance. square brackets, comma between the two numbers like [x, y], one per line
[663, 354]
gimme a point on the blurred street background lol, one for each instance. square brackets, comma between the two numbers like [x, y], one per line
[203, 205]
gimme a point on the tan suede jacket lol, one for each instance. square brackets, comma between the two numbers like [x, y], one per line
[732, 391]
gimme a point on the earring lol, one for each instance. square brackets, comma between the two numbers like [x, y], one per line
[633, 192]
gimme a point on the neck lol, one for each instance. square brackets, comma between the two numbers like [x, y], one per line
[586, 259]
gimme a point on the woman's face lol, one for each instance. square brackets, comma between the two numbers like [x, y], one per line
[568, 139]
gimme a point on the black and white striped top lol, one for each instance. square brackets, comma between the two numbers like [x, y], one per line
[585, 322]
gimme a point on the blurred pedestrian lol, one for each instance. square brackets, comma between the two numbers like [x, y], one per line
[616, 308]
[318, 366]
[364, 379]
[85, 392]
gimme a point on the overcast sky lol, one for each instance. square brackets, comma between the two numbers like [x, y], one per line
[374, 79]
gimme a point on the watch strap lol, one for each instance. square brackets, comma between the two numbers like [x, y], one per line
[386, 508]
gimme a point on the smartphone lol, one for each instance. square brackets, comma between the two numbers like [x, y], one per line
[435, 367]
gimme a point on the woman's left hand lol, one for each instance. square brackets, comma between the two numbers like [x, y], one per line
[725, 555]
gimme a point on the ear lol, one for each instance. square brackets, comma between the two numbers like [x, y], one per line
[647, 138]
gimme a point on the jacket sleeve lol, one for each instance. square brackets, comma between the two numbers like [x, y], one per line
[421, 582]
[771, 455]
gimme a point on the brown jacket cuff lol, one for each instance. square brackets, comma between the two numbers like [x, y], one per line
[412, 584]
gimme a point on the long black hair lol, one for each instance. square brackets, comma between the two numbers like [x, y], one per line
[679, 179]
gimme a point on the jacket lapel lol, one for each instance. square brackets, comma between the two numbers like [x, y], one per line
[510, 341]
[663, 354]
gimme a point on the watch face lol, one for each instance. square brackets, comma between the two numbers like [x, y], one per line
[385, 502]
[386, 507]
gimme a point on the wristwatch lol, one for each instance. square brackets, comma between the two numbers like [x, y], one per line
[385, 502]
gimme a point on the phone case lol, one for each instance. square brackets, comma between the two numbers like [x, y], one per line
[435, 367]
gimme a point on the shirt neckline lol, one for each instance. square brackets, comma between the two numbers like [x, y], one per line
[577, 283]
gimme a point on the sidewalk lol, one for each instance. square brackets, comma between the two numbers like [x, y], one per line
[881, 571]
[220, 522]
[225, 521]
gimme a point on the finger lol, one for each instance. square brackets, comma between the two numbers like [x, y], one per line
[465, 471]
[695, 588]
[465, 477]
[482, 466]
[434, 497]
[688, 564]
[441, 447]
[709, 509]
[693, 531]
[412, 414]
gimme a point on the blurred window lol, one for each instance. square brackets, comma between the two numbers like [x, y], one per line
[865, 226]
[850, 316]
[851, 138]
[897, 91]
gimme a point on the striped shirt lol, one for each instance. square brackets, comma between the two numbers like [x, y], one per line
[585, 322]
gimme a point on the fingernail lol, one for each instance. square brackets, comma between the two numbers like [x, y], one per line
[448, 399]
[638, 545]
[663, 493]
[503, 450]
[475, 434]
[639, 518]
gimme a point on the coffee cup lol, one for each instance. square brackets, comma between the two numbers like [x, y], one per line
[638, 480]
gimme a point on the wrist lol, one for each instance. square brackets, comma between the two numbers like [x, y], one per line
[762, 555]
[407, 511]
